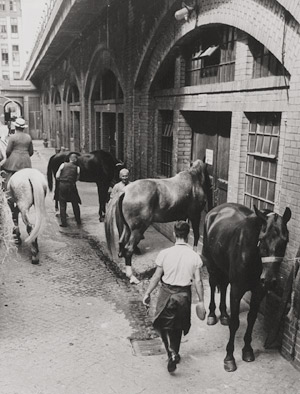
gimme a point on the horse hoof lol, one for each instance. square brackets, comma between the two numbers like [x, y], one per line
[101, 219]
[35, 261]
[230, 365]
[18, 241]
[134, 280]
[248, 356]
[224, 320]
[212, 320]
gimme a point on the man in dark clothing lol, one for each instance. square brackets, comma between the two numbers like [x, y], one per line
[68, 174]
[177, 267]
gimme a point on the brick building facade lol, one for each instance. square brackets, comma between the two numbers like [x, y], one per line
[222, 83]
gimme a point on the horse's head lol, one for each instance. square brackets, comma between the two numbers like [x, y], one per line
[272, 242]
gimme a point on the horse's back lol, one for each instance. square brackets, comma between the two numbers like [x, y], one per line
[224, 230]
[158, 200]
[24, 175]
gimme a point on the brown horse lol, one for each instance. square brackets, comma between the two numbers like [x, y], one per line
[242, 248]
[156, 200]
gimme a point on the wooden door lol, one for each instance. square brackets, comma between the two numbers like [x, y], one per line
[211, 139]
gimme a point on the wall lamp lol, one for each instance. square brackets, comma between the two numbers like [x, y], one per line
[185, 12]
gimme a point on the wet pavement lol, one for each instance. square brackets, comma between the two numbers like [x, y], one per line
[74, 325]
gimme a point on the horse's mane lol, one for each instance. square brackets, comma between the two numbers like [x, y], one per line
[199, 173]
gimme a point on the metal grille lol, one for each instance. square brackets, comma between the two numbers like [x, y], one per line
[148, 347]
[263, 142]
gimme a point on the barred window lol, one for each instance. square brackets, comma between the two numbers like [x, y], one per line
[265, 63]
[263, 143]
[167, 143]
[212, 58]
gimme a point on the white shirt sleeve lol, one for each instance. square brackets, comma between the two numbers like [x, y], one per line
[59, 171]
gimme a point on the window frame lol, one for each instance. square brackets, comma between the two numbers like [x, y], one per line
[166, 148]
[262, 158]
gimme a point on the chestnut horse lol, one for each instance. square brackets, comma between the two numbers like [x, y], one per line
[242, 248]
[98, 166]
[156, 200]
[27, 188]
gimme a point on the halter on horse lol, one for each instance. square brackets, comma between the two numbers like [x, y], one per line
[244, 249]
[28, 187]
[156, 200]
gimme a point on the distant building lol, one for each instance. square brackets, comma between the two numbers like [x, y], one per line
[11, 64]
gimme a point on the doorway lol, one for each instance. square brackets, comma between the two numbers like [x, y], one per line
[211, 142]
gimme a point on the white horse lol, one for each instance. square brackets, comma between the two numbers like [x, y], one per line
[26, 188]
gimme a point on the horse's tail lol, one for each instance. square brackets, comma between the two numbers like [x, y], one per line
[49, 173]
[110, 226]
[39, 191]
[208, 190]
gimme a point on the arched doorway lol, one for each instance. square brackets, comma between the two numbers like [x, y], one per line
[12, 110]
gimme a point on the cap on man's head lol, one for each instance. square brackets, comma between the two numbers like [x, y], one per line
[181, 229]
[20, 122]
[123, 172]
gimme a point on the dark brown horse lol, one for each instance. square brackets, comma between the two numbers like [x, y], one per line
[242, 248]
[156, 200]
[98, 166]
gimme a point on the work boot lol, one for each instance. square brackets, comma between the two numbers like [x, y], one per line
[172, 362]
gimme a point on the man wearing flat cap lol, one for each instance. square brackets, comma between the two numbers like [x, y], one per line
[18, 151]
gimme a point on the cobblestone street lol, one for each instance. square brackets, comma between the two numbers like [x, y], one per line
[67, 326]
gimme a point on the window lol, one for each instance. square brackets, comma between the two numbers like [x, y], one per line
[5, 75]
[16, 75]
[166, 143]
[3, 30]
[15, 55]
[2, 5]
[12, 5]
[4, 56]
[211, 59]
[263, 142]
[14, 25]
[265, 63]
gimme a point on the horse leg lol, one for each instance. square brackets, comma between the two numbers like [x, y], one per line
[212, 318]
[256, 298]
[235, 299]
[15, 217]
[102, 197]
[34, 248]
[196, 229]
[224, 318]
[134, 239]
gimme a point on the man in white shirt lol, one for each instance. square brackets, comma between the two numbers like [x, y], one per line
[177, 268]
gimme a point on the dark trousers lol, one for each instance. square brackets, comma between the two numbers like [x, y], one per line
[171, 340]
[63, 212]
